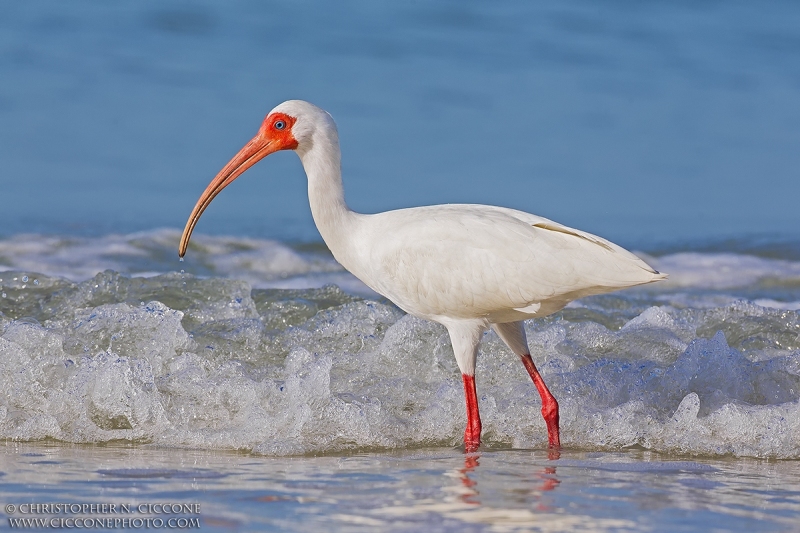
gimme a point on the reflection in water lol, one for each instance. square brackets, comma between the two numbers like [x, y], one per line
[434, 489]
[468, 492]
[549, 481]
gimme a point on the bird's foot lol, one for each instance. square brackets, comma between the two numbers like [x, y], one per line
[554, 454]
[550, 415]
[472, 436]
[471, 444]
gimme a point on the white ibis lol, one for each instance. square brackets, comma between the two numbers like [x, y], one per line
[467, 267]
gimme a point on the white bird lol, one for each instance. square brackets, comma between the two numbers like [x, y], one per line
[467, 267]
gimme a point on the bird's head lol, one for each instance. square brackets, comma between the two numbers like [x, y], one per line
[293, 125]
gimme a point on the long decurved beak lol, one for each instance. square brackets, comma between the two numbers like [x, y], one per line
[257, 149]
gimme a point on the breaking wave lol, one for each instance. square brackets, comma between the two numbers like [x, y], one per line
[257, 349]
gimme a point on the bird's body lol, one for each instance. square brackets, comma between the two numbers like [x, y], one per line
[468, 267]
[477, 261]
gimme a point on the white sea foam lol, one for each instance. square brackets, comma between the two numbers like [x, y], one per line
[263, 263]
[723, 270]
[241, 351]
[768, 302]
[183, 361]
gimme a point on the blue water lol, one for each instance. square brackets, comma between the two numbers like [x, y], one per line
[636, 121]
[426, 490]
[672, 128]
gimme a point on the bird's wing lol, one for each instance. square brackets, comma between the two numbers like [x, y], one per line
[544, 223]
[469, 260]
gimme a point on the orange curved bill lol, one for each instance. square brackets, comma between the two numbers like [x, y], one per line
[254, 151]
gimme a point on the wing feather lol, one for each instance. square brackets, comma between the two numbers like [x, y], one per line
[467, 260]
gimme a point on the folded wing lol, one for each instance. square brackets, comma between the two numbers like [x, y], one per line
[483, 261]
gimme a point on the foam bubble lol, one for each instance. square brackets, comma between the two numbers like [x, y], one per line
[216, 364]
[197, 359]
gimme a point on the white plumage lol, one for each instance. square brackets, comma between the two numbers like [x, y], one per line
[468, 267]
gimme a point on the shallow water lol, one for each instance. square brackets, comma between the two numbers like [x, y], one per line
[426, 489]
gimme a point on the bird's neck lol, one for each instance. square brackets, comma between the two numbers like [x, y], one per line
[334, 220]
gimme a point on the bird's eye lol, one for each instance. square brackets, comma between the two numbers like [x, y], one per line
[279, 125]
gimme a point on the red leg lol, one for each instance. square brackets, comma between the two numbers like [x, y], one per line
[472, 435]
[549, 403]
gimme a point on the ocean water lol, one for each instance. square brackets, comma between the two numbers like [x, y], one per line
[278, 351]
[262, 381]
[407, 490]
[636, 121]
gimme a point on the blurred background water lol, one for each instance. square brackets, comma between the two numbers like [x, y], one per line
[640, 121]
